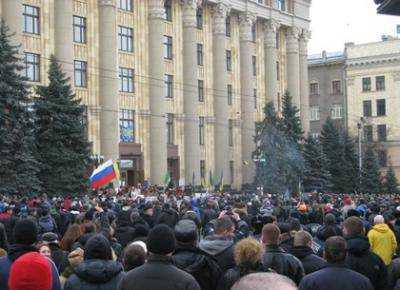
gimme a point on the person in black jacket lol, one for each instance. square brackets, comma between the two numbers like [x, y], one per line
[220, 244]
[98, 270]
[335, 275]
[159, 272]
[191, 259]
[302, 250]
[276, 258]
[359, 257]
[124, 231]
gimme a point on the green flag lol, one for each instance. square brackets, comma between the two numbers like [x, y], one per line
[167, 178]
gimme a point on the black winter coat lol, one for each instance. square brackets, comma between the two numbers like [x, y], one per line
[335, 277]
[199, 264]
[221, 248]
[283, 263]
[233, 275]
[362, 260]
[158, 273]
[310, 261]
[95, 275]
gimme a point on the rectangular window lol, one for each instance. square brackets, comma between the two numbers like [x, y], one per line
[125, 38]
[199, 18]
[382, 158]
[314, 113]
[278, 39]
[79, 24]
[232, 171]
[170, 129]
[313, 89]
[31, 19]
[127, 126]
[230, 95]
[228, 26]
[254, 32]
[337, 111]
[254, 60]
[382, 133]
[168, 86]
[200, 54]
[200, 86]
[255, 98]
[380, 83]
[315, 136]
[230, 136]
[126, 80]
[80, 73]
[281, 5]
[366, 84]
[337, 87]
[202, 169]
[125, 5]
[278, 71]
[201, 131]
[367, 109]
[368, 133]
[32, 67]
[228, 60]
[381, 107]
[167, 47]
[168, 10]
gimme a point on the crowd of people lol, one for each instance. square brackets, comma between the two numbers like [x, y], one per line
[134, 239]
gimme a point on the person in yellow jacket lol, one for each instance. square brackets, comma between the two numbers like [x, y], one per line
[382, 240]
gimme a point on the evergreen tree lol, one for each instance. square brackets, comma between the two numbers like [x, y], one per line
[62, 143]
[370, 175]
[18, 166]
[290, 119]
[391, 184]
[350, 168]
[317, 176]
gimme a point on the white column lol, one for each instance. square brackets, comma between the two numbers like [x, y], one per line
[158, 133]
[304, 87]
[108, 77]
[221, 110]
[293, 64]
[12, 16]
[271, 58]
[246, 21]
[190, 100]
[63, 36]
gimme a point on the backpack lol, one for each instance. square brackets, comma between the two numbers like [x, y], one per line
[206, 272]
[46, 225]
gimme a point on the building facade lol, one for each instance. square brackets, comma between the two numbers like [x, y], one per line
[326, 73]
[373, 97]
[170, 85]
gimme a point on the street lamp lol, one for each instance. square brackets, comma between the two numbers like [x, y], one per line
[359, 127]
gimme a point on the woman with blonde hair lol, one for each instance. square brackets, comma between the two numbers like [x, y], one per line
[247, 254]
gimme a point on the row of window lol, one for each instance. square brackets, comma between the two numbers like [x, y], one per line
[380, 108]
[369, 133]
[335, 113]
[336, 88]
[379, 84]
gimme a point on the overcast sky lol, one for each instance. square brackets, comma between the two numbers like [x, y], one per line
[334, 22]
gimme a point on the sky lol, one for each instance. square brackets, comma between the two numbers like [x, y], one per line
[334, 22]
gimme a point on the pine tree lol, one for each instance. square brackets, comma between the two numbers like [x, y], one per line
[62, 143]
[370, 175]
[391, 184]
[290, 119]
[350, 168]
[317, 174]
[18, 166]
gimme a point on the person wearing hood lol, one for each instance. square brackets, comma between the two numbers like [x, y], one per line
[124, 231]
[302, 250]
[191, 259]
[25, 237]
[220, 244]
[382, 240]
[359, 258]
[98, 271]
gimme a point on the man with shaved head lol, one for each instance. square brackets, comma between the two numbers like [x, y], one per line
[264, 281]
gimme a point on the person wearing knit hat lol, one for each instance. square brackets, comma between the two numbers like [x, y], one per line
[31, 271]
[159, 272]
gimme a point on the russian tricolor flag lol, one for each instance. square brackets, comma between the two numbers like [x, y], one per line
[104, 174]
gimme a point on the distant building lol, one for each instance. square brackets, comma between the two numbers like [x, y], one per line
[327, 98]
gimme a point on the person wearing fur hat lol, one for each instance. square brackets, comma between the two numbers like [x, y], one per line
[98, 270]
[25, 238]
[159, 271]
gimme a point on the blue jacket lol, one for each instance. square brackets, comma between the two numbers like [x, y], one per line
[5, 266]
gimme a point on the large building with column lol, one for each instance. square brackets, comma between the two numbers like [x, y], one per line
[170, 85]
